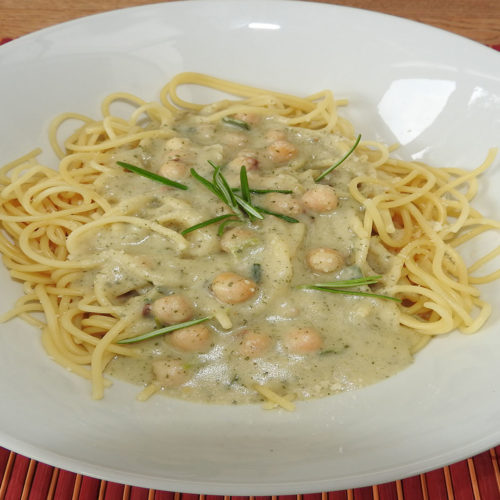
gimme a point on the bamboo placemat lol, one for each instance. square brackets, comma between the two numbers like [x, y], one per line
[22, 478]
[477, 478]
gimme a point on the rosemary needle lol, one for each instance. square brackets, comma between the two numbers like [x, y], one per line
[245, 188]
[236, 122]
[222, 225]
[161, 331]
[341, 285]
[329, 169]
[241, 205]
[206, 223]
[265, 191]
[286, 218]
[151, 175]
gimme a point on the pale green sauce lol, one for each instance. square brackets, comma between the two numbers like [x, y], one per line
[362, 340]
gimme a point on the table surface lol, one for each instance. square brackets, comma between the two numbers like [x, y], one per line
[477, 478]
[475, 19]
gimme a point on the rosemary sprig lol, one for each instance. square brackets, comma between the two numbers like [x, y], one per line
[265, 191]
[247, 196]
[286, 218]
[351, 292]
[242, 206]
[161, 331]
[245, 188]
[222, 226]
[206, 223]
[333, 167]
[341, 285]
[369, 280]
[207, 184]
[222, 187]
[237, 123]
[151, 175]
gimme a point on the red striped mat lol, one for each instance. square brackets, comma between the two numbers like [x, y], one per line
[477, 478]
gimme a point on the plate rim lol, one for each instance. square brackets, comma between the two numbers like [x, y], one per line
[38, 454]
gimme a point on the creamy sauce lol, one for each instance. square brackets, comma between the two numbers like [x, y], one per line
[357, 340]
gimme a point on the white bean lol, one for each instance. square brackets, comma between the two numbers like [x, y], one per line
[170, 372]
[174, 169]
[254, 344]
[196, 338]
[303, 340]
[243, 160]
[231, 288]
[320, 198]
[324, 260]
[281, 151]
[283, 203]
[172, 309]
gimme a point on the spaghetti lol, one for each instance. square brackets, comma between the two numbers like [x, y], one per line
[411, 220]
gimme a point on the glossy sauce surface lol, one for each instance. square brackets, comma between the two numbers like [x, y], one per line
[266, 329]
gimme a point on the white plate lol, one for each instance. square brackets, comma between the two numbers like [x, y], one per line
[437, 93]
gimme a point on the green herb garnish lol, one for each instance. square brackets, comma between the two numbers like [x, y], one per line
[241, 205]
[222, 226]
[245, 188]
[237, 123]
[256, 272]
[341, 285]
[207, 223]
[151, 175]
[286, 218]
[220, 188]
[333, 167]
[161, 331]
[265, 191]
